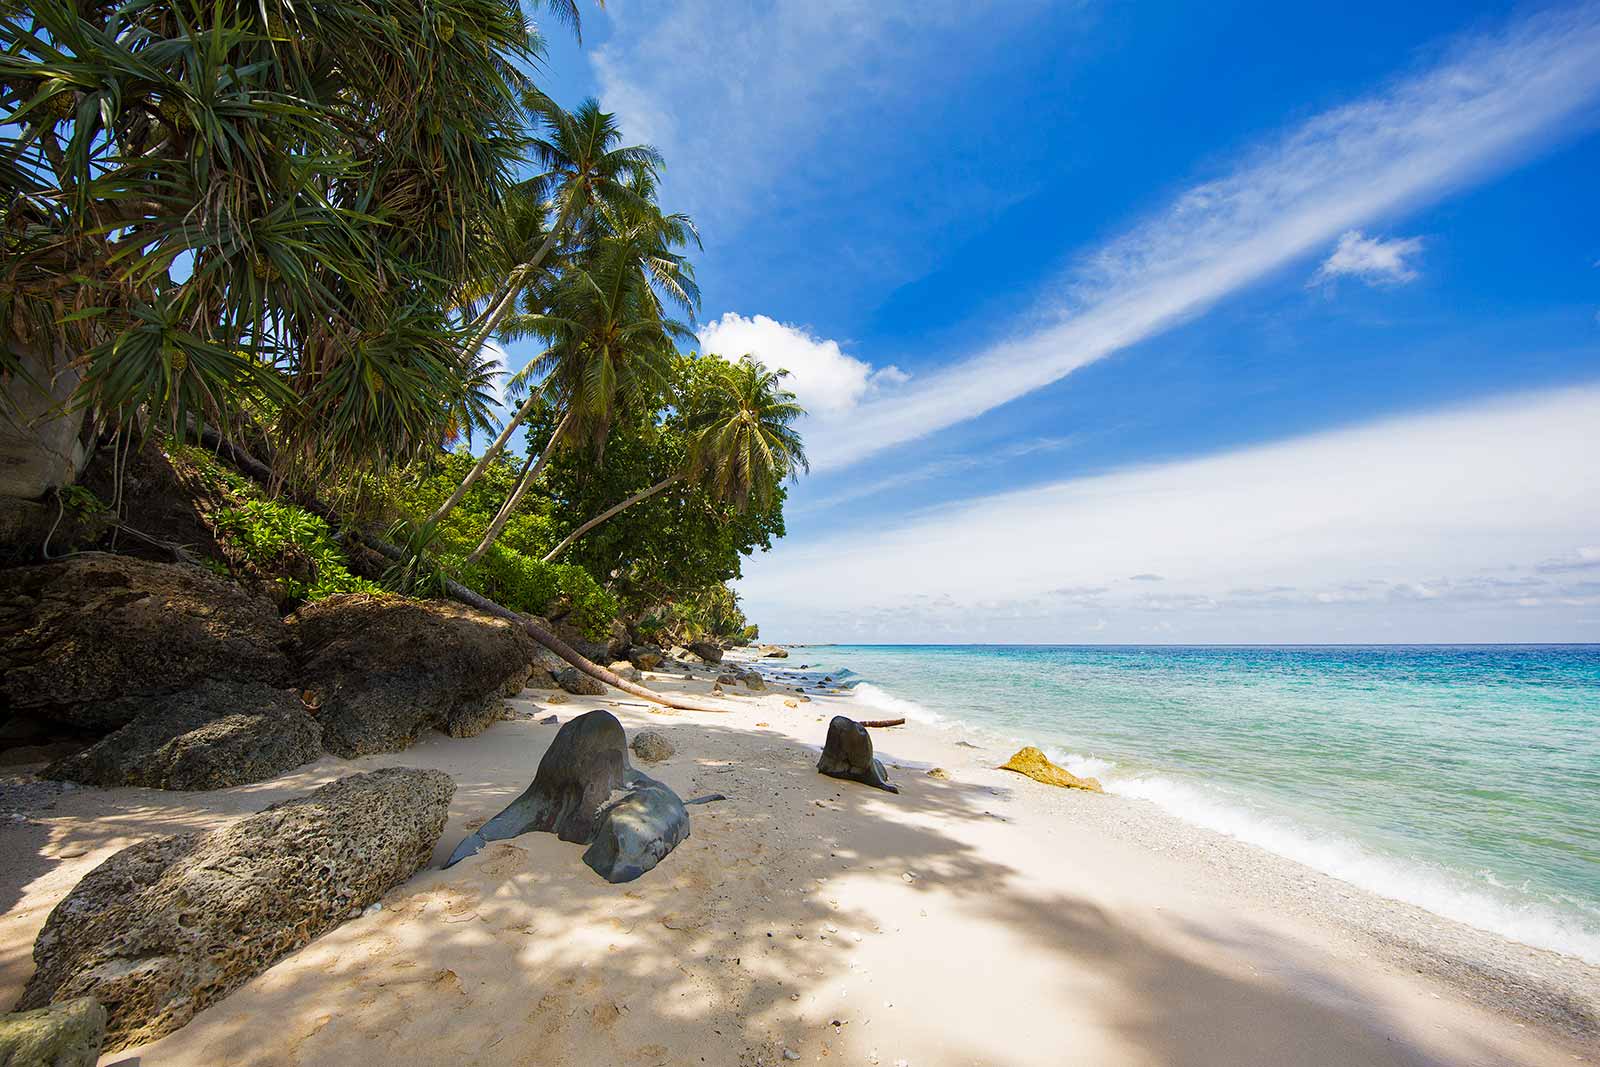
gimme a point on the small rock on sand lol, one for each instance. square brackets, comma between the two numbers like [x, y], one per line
[939, 773]
[651, 746]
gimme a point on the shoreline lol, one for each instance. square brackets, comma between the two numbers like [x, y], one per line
[985, 919]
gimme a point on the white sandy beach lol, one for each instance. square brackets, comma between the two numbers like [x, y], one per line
[983, 919]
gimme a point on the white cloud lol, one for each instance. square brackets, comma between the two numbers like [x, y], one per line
[827, 381]
[1483, 110]
[1421, 517]
[764, 83]
[501, 368]
[1371, 259]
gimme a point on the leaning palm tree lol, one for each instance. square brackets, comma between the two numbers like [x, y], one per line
[587, 177]
[610, 350]
[741, 444]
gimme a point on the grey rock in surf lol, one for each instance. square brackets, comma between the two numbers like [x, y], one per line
[847, 754]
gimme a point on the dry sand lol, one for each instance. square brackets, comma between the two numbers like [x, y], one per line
[983, 919]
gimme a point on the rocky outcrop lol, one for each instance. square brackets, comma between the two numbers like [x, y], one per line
[751, 678]
[585, 791]
[68, 1034]
[709, 651]
[651, 746]
[216, 735]
[380, 670]
[774, 652]
[166, 927]
[578, 683]
[847, 754]
[85, 642]
[1036, 765]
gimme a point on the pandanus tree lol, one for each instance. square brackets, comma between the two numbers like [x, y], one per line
[741, 443]
[218, 209]
[585, 177]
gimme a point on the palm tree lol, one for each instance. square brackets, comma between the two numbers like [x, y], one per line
[742, 444]
[610, 350]
[587, 176]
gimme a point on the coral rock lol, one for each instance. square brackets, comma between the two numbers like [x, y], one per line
[1036, 765]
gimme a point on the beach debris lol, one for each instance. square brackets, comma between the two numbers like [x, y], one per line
[556, 698]
[847, 754]
[579, 684]
[790, 1054]
[878, 724]
[651, 746]
[940, 773]
[585, 791]
[707, 799]
[791, 703]
[1036, 765]
[65, 1034]
[172, 924]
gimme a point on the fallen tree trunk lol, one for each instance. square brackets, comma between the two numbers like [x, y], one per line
[883, 722]
[458, 592]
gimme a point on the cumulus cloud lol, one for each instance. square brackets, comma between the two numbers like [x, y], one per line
[1417, 517]
[827, 381]
[1494, 102]
[1371, 259]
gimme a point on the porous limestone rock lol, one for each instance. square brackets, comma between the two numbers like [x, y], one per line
[651, 746]
[1036, 765]
[216, 735]
[585, 791]
[66, 1034]
[85, 641]
[847, 754]
[172, 924]
[579, 684]
[379, 670]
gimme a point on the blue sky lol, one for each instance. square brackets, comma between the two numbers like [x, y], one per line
[1151, 322]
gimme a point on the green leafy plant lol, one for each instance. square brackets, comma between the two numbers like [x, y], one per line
[293, 546]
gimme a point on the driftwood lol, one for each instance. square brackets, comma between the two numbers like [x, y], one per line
[881, 722]
[458, 592]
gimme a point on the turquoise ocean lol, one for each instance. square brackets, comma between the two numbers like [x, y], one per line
[1461, 779]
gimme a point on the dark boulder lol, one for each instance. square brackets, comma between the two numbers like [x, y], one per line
[578, 683]
[85, 641]
[645, 657]
[637, 830]
[585, 791]
[709, 651]
[170, 925]
[848, 755]
[379, 670]
[217, 735]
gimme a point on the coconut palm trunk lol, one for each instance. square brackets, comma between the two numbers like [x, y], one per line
[611, 512]
[529, 476]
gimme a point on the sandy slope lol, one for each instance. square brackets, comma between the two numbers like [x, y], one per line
[980, 920]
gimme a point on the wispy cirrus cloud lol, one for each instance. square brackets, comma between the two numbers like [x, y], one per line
[1491, 104]
[1371, 259]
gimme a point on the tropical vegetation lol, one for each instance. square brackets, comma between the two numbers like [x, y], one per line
[294, 231]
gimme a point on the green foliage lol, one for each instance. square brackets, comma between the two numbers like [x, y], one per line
[292, 544]
[561, 590]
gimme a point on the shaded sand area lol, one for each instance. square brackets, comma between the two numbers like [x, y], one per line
[979, 919]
